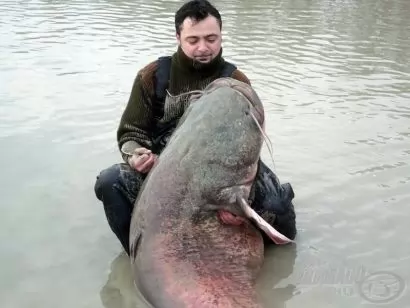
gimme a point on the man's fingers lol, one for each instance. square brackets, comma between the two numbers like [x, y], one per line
[140, 151]
[137, 161]
[147, 165]
[142, 160]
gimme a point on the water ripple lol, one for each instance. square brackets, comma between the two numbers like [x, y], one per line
[333, 75]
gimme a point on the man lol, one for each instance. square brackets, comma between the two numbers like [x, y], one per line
[151, 116]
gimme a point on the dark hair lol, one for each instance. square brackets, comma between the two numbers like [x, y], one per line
[197, 10]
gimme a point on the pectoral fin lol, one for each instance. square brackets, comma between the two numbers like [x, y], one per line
[271, 232]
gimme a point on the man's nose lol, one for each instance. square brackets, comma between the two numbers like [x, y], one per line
[202, 45]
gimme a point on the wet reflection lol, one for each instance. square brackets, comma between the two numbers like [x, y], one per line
[333, 76]
[119, 290]
[279, 264]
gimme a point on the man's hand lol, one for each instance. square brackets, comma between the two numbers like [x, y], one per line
[142, 160]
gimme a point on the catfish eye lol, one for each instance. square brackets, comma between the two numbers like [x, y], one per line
[247, 111]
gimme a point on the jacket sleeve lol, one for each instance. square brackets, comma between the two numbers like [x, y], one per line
[135, 128]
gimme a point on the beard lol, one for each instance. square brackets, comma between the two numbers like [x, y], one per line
[202, 60]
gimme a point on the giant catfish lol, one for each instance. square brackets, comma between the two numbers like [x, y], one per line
[194, 240]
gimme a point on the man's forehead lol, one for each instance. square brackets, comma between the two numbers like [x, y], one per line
[198, 34]
[206, 27]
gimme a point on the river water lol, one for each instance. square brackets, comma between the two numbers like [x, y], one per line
[334, 76]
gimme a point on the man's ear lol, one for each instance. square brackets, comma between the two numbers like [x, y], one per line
[178, 37]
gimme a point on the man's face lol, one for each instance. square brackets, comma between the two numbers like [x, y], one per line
[200, 40]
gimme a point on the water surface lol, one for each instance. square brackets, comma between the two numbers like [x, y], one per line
[334, 78]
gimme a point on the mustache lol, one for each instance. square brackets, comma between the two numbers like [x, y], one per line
[198, 64]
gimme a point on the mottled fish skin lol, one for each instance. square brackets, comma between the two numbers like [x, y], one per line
[182, 253]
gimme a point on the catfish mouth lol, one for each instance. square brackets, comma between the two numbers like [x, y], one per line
[233, 214]
[248, 181]
[242, 187]
[227, 217]
[239, 211]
